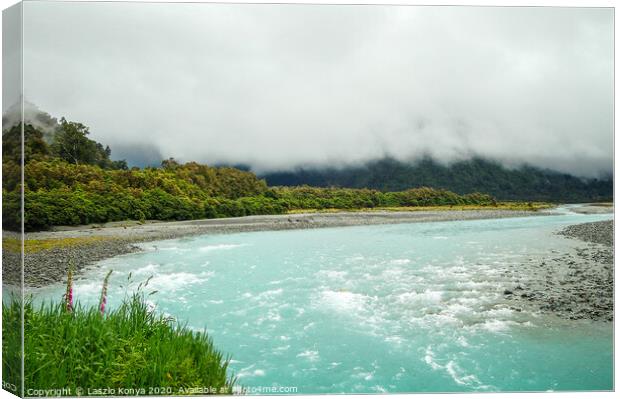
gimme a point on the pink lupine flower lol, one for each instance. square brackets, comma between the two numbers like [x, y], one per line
[69, 293]
[104, 292]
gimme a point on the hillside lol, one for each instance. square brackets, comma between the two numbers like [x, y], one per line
[70, 179]
[475, 175]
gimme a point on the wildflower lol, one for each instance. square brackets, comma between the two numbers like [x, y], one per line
[104, 292]
[69, 292]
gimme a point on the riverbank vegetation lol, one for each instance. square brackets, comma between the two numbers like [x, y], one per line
[127, 347]
[508, 206]
[70, 179]
[60, 193]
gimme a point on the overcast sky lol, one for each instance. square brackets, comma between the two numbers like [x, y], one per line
[279, 86]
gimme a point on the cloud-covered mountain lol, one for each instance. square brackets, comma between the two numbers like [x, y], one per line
[280, 87]
[522, 183]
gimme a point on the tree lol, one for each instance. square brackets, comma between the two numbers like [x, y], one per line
[120, 164]
[34, 144]
[169, 164]
[72, 145]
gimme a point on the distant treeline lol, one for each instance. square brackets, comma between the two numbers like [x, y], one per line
[60, 193]
[70, 179]
[522, 184]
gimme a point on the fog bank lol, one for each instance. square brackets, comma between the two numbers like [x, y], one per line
[283, 86]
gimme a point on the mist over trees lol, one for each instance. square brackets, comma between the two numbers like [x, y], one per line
[70, 179]
[69, 142]
[477, 174]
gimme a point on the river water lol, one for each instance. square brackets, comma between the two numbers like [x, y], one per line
[390, 308]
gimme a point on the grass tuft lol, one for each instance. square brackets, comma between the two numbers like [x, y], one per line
[129, 347]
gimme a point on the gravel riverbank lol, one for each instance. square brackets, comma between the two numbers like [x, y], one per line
[596, 232]
[573, 285]
[50, 265]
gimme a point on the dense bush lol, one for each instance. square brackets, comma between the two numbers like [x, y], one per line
[60, 193]
[70, 179]
[306, 197]
[129, 347]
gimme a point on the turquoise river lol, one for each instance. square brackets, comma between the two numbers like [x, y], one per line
[387, 308]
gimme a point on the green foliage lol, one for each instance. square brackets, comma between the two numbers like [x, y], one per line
[306, 197]
[35, 146]
[68, 142]
[72, 145]
[12, 343]
[520, 184]
[71, 181]
[60, 193]
[129, 347]
[245, 206]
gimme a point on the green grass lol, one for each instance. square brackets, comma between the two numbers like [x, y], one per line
[129, 347]
[11, 345]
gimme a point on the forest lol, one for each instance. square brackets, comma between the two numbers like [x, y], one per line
[522, 183]
[70, 179]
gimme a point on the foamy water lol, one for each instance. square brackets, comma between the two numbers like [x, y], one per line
[393, 308]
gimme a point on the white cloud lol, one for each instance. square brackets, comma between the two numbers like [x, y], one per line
[277, 86]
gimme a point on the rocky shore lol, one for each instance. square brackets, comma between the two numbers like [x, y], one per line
[573, 285]
[596, 232]
[49, 266]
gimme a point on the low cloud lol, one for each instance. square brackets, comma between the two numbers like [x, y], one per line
[283, 86]
[137, 154]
